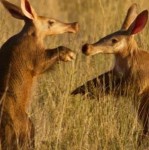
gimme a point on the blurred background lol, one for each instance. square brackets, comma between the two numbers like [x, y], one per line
[72, 123]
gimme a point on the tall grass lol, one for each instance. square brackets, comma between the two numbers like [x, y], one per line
[64, 122]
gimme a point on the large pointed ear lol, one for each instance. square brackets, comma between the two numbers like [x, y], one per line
[139, 23]
[28, 10]
[130, 17]
[14, 10]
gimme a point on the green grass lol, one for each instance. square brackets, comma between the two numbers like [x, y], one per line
[64, 122]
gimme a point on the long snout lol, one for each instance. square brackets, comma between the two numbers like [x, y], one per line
[93, 49]
[73, 27]
[58, 27]
[87, 49]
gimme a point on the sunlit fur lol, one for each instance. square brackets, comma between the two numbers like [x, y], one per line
[130, 71]
[22, 58]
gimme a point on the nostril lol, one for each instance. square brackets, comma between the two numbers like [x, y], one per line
[73, 27]
[84, 48]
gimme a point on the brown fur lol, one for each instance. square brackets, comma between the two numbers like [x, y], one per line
[22, 58]
[130, 72]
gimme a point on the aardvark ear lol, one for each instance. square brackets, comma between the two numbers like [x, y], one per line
[28, 10]
[130, 17]
[139, 23]
[14, 10]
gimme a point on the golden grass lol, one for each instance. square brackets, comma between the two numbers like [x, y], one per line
[64, 122]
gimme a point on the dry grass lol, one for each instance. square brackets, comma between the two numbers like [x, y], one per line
[64, 122]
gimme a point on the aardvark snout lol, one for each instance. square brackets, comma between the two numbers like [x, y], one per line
[86, 49]
[73, 27]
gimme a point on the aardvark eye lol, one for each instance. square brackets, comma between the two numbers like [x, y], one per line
[114, 41]
[50, 23]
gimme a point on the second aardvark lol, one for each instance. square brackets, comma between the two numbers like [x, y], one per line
[131, 64]
[22, 58]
